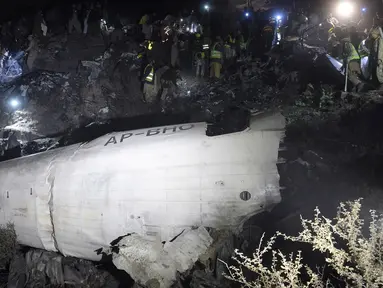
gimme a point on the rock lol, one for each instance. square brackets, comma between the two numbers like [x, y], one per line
[17, 272]
[312, 157]
[38, 268]
[42, 269]
[201, 279]
[316, 161]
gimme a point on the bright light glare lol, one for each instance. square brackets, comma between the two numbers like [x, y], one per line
[182, 20]
[247, 14]
[189, 92]
[345, 9]
[187, 28]
[207, 7]
[14, 103]
[320, 24]
[364, 9]
[279, 17]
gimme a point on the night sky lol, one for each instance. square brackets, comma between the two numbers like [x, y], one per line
[135, 8]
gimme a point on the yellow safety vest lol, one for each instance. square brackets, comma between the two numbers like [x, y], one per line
[201, 55]
[354, 54]
[231, 40]
[150, 77]
[215, 54]
[150, 45]
[144, 19]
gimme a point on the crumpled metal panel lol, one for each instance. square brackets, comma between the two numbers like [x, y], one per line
[337, 65]
[151, 262]
[154, 182]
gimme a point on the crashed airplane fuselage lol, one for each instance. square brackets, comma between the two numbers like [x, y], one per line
[153, 182]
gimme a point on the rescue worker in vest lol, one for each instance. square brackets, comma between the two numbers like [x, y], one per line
[197, 43]
[216, 54]
[354, 36]
[144, 19]
[267, 36]
[230, 40]
[149, 45]
[351, 59]
[145, 56]
[148, 77]
[334, 45]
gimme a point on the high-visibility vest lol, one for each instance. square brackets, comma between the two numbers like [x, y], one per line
[201, 55]
[150, 77]
[144, 19]
[354, 54]
[150, 45]
[215, 54]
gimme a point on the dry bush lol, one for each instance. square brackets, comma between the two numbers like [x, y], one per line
[7, 244]
[354, 259]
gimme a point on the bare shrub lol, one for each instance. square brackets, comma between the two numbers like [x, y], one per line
[354, 259]
[7, 244]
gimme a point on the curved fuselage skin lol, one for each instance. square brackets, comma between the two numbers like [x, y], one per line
[154, 182]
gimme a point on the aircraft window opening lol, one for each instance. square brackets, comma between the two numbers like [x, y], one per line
[245, 195]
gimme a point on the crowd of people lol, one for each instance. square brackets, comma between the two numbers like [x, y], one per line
[181, 44]
[168, 45]
[350, 45]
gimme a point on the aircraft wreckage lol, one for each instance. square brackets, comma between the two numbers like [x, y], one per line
[151, 184]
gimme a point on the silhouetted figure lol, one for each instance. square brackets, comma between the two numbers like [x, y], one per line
[12, 148]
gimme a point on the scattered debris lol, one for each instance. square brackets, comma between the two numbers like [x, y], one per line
[39, 268]
[153, 262]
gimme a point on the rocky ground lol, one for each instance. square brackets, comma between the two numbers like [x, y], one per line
[332, 150]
